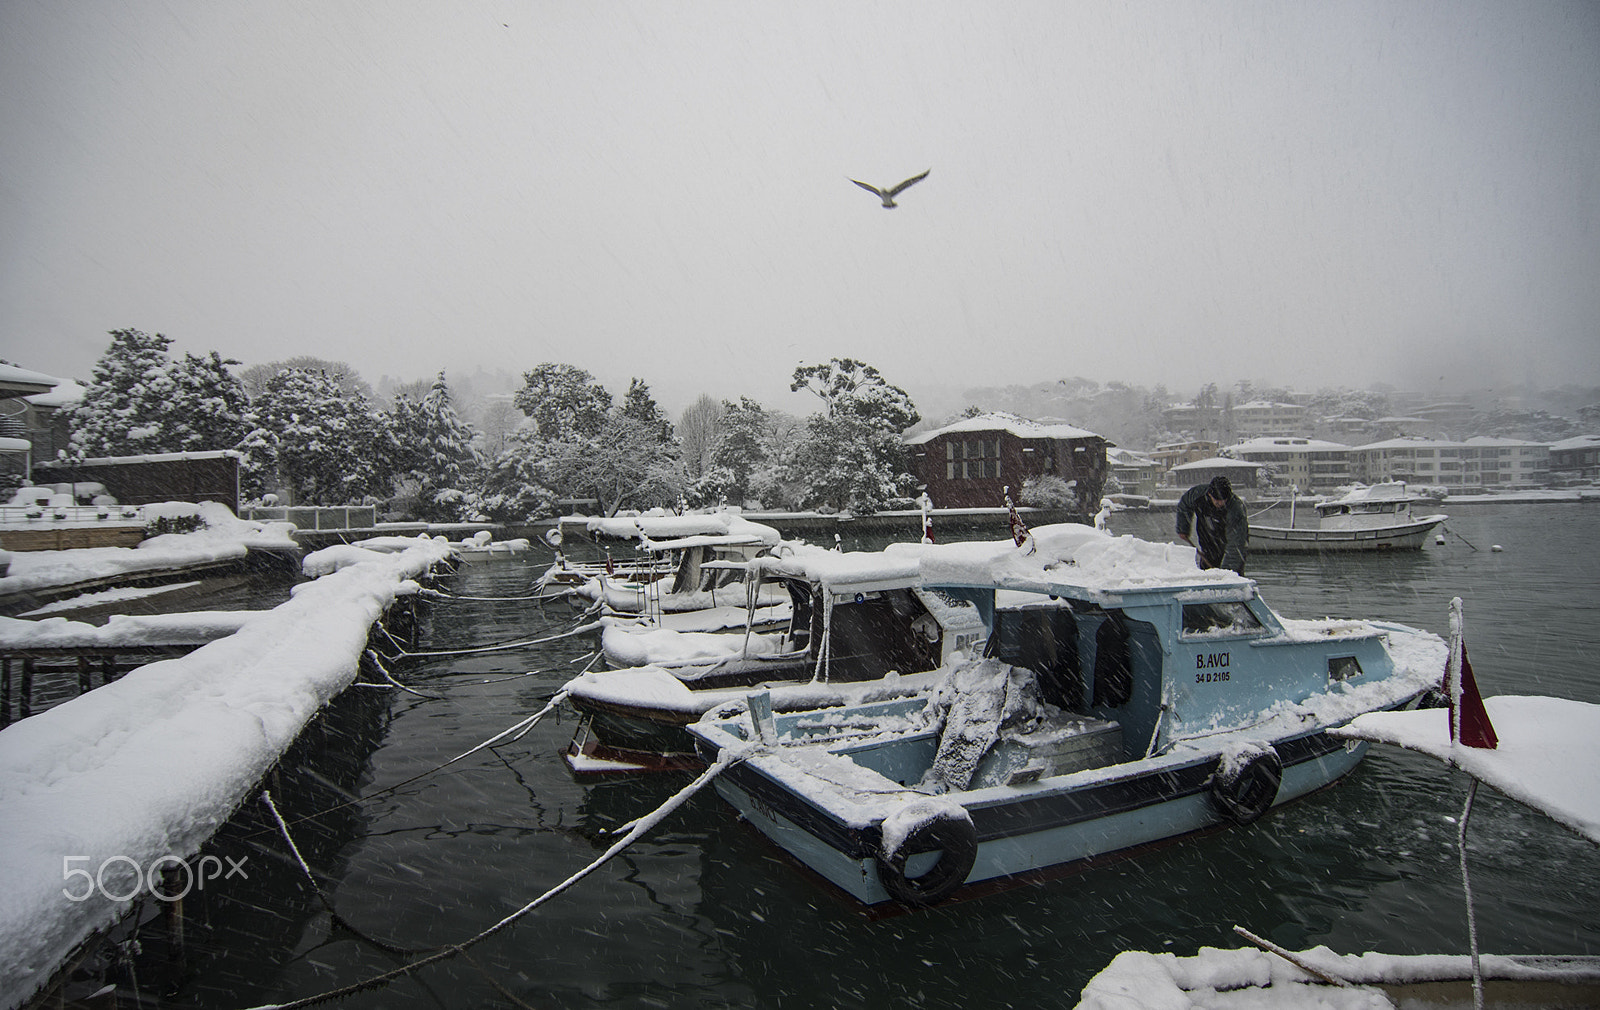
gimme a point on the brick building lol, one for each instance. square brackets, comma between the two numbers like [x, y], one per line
[970, 463]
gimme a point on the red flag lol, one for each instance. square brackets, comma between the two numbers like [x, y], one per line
[1468, 718]
[927, 529]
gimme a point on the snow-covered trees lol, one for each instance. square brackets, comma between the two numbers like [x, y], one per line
[121, 411]
[324, 447]
[565, 403]
[435, 450]
[850, 455]
[142, 401]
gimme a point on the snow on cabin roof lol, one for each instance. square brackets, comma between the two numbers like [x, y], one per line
[1065, 555]
[1391, 491]
[704, 528]
[1548, 755]
[1019, 426]
[11, 375]
[1218, 463]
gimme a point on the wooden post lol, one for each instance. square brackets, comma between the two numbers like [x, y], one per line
[5, 692]
[85, 680]
[25, 700]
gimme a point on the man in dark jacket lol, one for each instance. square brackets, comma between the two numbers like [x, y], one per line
[1219, 522]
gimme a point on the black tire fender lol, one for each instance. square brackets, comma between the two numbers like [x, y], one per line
[1244, 789]
[949, 833]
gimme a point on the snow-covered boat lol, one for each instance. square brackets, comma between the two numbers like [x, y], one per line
[1542, 752]
[1382, 517]
[682, 563]
[862, 628]
[1126, 697]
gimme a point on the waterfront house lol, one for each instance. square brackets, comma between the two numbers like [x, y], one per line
[970, 463]
[1307, 463]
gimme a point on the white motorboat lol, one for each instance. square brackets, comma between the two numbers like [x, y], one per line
[1382, 517]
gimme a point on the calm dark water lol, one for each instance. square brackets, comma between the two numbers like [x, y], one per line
[704, 913]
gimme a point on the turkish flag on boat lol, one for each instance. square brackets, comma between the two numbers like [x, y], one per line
[1019, 529]
[1469, 720]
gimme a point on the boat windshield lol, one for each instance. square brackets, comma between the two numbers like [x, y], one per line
[1219, 618]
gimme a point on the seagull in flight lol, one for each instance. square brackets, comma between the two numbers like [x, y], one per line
[888, 195]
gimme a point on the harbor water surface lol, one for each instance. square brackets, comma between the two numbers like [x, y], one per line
[702, 912]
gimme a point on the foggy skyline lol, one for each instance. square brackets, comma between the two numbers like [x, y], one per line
[1298, 195]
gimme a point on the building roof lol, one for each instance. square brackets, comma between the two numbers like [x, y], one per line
[1579, 442]
[16, 381]
[997, 421]
[1268, 443]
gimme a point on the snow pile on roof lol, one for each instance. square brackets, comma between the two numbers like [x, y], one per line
[1548, 757]
[1219, 979]
[123, 629]
[1065, 554]
[999, 421]
[224, 537]
[152, 764]
[715, 525]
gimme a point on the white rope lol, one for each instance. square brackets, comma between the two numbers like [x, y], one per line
[386, 676]
[725, 759]
[582, 629]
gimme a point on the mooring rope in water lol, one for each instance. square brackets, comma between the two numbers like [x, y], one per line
[1459, 537]
[582, 629]
[327, 903]
[371, 654]
[519, 728]
[1466, 889]
[439, 594]
[725, 760]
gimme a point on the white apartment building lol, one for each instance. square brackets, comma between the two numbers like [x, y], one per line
[1477, 464]
[1307, 463]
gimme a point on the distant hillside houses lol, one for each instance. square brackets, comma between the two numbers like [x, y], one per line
[971, 463]
[1313, 466]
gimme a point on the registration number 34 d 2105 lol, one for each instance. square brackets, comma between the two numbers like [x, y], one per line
[1211, 667]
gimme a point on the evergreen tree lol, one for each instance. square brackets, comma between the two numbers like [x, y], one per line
[742, 446]
[208, 405]
[640, 406]
[850, 388]
[122, 411]
[436, 450]
[329, 448]
[565, 403]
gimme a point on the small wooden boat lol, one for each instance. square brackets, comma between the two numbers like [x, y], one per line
[1125, 697]
[1377, 518]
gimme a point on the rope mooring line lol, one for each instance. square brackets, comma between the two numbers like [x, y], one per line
[338, 920]
[725, 760]
[520, 728]
[371, 654]
[439, 594]
[582, 629]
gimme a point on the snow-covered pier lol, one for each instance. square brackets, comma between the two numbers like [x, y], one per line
[102, 789]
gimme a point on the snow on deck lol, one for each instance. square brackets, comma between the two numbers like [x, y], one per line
[122, 630]
[152, 764]
[224, 538]
[1066, 554]
[1548, 757]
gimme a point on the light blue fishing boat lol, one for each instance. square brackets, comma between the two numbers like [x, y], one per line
[1124, 697]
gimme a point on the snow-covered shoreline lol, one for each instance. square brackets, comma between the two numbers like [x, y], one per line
[149, 766]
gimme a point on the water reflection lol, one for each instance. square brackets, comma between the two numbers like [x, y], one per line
[704, 912]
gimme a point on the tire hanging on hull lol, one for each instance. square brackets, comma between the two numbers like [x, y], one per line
[956, 841]
[1245, 788]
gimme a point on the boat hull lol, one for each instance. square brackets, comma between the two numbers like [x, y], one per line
[1031, 828]
[1401, 537]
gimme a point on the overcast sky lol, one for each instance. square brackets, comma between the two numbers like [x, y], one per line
[1299, 193]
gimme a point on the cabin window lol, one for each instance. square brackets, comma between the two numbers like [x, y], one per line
[1343, 668]
[1219, 618]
